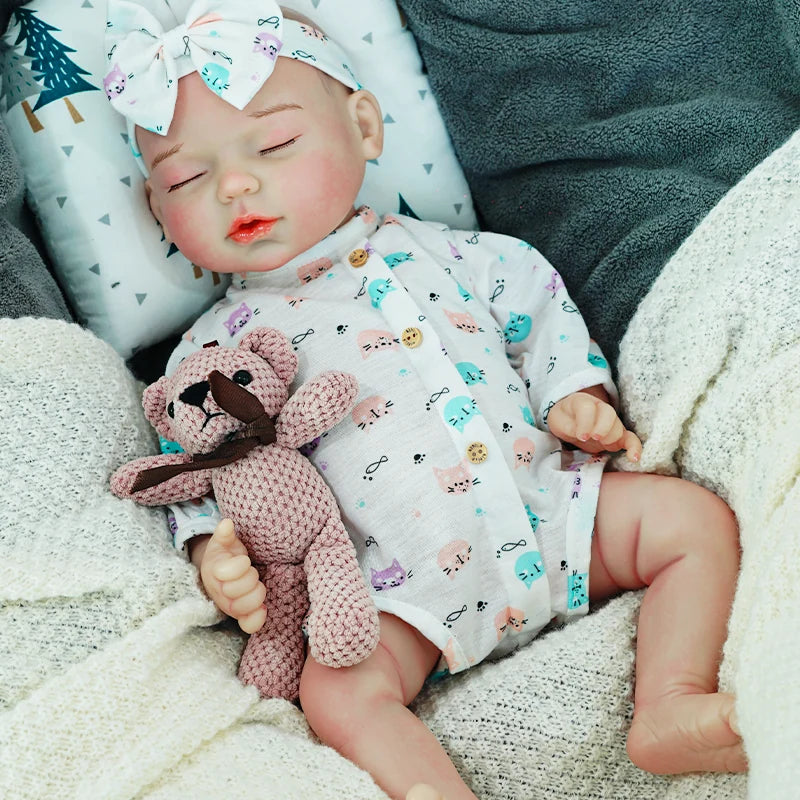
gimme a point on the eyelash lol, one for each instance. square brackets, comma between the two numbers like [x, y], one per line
[265, 151]
[277, 147]
[176, 186]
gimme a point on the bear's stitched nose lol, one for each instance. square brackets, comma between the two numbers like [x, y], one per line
[195, 395]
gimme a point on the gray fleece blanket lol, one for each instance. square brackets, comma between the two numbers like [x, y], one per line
[603, 132]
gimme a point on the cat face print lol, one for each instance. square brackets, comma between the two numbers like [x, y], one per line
[371, 342]
[238, 319]
[308, 272]
[369, 411]
[463, 321]
[390, 578]
[453, 557]
[455, 480]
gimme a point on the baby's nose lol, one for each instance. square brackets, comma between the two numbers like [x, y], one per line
[237, 182]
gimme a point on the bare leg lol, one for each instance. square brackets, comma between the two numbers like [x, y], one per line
[681, 541]
[361, 712]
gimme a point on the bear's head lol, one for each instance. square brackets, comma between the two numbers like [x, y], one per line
[182, 407]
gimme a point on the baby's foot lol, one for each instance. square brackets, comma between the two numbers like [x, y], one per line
[687, 733]
[422, 791]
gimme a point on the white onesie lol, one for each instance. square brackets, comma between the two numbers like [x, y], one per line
[471, 521]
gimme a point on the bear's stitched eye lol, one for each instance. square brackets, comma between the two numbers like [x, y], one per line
[171, 410]
[242, 377]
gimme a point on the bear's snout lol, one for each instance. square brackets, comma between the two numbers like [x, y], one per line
[195, 395]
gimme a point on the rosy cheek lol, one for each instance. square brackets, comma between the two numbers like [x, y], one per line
[327, 184]
[184, 229]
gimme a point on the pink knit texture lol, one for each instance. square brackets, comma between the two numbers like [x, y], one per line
[282, 509]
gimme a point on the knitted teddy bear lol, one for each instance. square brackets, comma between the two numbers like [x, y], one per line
[230, 411]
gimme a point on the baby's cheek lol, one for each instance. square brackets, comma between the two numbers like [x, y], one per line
[184, 230]
[330, 185]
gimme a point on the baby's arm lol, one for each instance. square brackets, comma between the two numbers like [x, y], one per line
[228, 576]
[587, 420]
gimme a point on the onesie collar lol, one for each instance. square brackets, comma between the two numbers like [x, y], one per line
[315, 261]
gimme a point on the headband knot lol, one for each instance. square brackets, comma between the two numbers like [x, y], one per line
[176, 42]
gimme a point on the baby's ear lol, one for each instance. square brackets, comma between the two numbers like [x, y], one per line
[366, 111]
[275, 349]
[154, 402]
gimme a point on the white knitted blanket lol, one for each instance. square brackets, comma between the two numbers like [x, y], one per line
[117, 680]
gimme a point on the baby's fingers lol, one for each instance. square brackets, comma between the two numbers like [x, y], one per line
[231, 569]
[247, 604]
[241, 586]
[585, 416]
[632, 445]
[253, 622]
[607, 426]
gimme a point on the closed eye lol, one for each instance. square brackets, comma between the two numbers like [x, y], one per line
[176, 186]
[281, 146]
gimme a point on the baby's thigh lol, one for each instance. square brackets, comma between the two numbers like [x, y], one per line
[646, 522]
[396, 669]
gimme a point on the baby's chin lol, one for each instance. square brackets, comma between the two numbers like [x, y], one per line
[238, 266]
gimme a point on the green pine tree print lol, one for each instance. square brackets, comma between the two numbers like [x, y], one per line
[61, 76]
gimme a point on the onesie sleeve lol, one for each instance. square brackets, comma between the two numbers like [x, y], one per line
[545, 337]
[193, 517]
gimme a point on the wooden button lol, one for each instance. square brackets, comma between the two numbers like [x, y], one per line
[411, 337]
[477, 452]
[358, 257]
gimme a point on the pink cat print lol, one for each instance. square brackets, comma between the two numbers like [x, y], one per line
[463, 321]
[454, 556]
[455, 480]
[369, 411]
[524, 449]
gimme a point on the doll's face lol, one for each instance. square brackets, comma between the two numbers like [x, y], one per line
[246, 191]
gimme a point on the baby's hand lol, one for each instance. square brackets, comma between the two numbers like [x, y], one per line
[231, 581]
[592, 425]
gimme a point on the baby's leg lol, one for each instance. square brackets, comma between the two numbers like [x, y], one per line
[361, 712]
[681, 541]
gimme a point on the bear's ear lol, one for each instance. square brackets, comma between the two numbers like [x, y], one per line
[154, 402]
[275, 349]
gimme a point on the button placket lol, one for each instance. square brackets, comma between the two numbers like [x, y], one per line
[473, 439]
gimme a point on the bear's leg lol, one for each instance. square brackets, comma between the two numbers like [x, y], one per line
[343, 624]
[274, 655]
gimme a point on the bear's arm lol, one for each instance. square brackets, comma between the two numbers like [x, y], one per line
[315, 408]
[185, 486]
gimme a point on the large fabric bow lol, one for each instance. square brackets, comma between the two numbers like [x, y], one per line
[232, 44]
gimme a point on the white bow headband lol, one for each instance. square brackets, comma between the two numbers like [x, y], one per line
[233, 44]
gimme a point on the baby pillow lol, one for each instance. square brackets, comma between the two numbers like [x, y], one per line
[124, 281]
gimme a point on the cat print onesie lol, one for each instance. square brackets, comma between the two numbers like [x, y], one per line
[471, 521]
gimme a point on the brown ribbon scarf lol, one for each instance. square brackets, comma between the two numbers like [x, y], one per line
[239, 403]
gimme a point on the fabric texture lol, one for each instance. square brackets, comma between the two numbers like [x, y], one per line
[709, 374]
[26, 286]
[604, 132]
